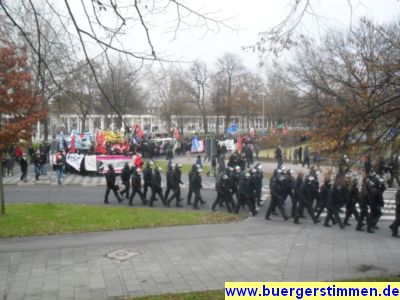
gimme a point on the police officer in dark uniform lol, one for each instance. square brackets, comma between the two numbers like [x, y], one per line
[192, 172]
[136, 186]
[196, 185]
[170, 179]
[253, 183]
[336, 198]
[234, 178]
[307, 194]
[352, 198]
[365, 205]
[278, 194]
[244, 194]
[156, 188]
[260, 177]
[110, 179]
[396, 223]
[322, 199]
[289, 184]
[376, 199]
[126, 177]
[223, 193]
[296, 196]
[147, 177]
[177, 181]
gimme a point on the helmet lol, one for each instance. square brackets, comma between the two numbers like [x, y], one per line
[224, 177]
[253, 170]
[311, 178]
[237, 168]
[179, 166]
[260, 167]
[159, 169]
[199, 170]
[279, 171]
[138, 170]
[247, 175]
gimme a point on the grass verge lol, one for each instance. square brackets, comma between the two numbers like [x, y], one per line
[219, 294]
[206, 295]
[47, 219]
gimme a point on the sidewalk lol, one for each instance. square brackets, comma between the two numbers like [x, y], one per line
[189, 258]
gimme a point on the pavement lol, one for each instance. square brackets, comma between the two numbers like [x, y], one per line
[109, 265]
[189, 258]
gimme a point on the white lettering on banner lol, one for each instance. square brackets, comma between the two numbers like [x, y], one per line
[75, 160]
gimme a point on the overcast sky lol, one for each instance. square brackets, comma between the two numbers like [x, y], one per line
[248, 18]
[253, 16]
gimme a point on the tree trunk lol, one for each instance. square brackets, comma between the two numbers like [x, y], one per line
[217, 126]
[46, 129]
[227, 120]
[205, 125]
[83, 123]
[2, 200]
[169, 121]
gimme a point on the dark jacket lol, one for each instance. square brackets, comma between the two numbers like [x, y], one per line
[136, 180]
[148, 175]
[110, 178]
[126, 173]
[156, 181]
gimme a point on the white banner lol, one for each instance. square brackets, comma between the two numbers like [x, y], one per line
[229, 144]
[90, 163]
[75, 160]
[118, 162]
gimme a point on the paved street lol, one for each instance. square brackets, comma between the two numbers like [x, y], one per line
[189, 258]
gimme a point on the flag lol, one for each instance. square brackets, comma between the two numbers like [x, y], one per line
[137, 130]
[232, 129]
[72, 149]
[177, 134]
[274, 131]
[100, 142]
[239, 143]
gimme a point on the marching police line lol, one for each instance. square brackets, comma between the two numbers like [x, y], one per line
[237, 188]
[365, 204]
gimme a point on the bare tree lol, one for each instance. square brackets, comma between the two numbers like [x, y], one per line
[122, 85]
[229, 68]
[196, 84]
[103, 27]
[171, 95]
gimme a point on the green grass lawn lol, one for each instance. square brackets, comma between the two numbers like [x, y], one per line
[219, 294]
[46, 219]
[185, 167]
[214, 295]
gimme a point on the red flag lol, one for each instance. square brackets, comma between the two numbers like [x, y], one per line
[284, 131]
[274, 131]
[72, 149]
[100, 142]
[177, 134]
[137, 130]
[239, 143]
